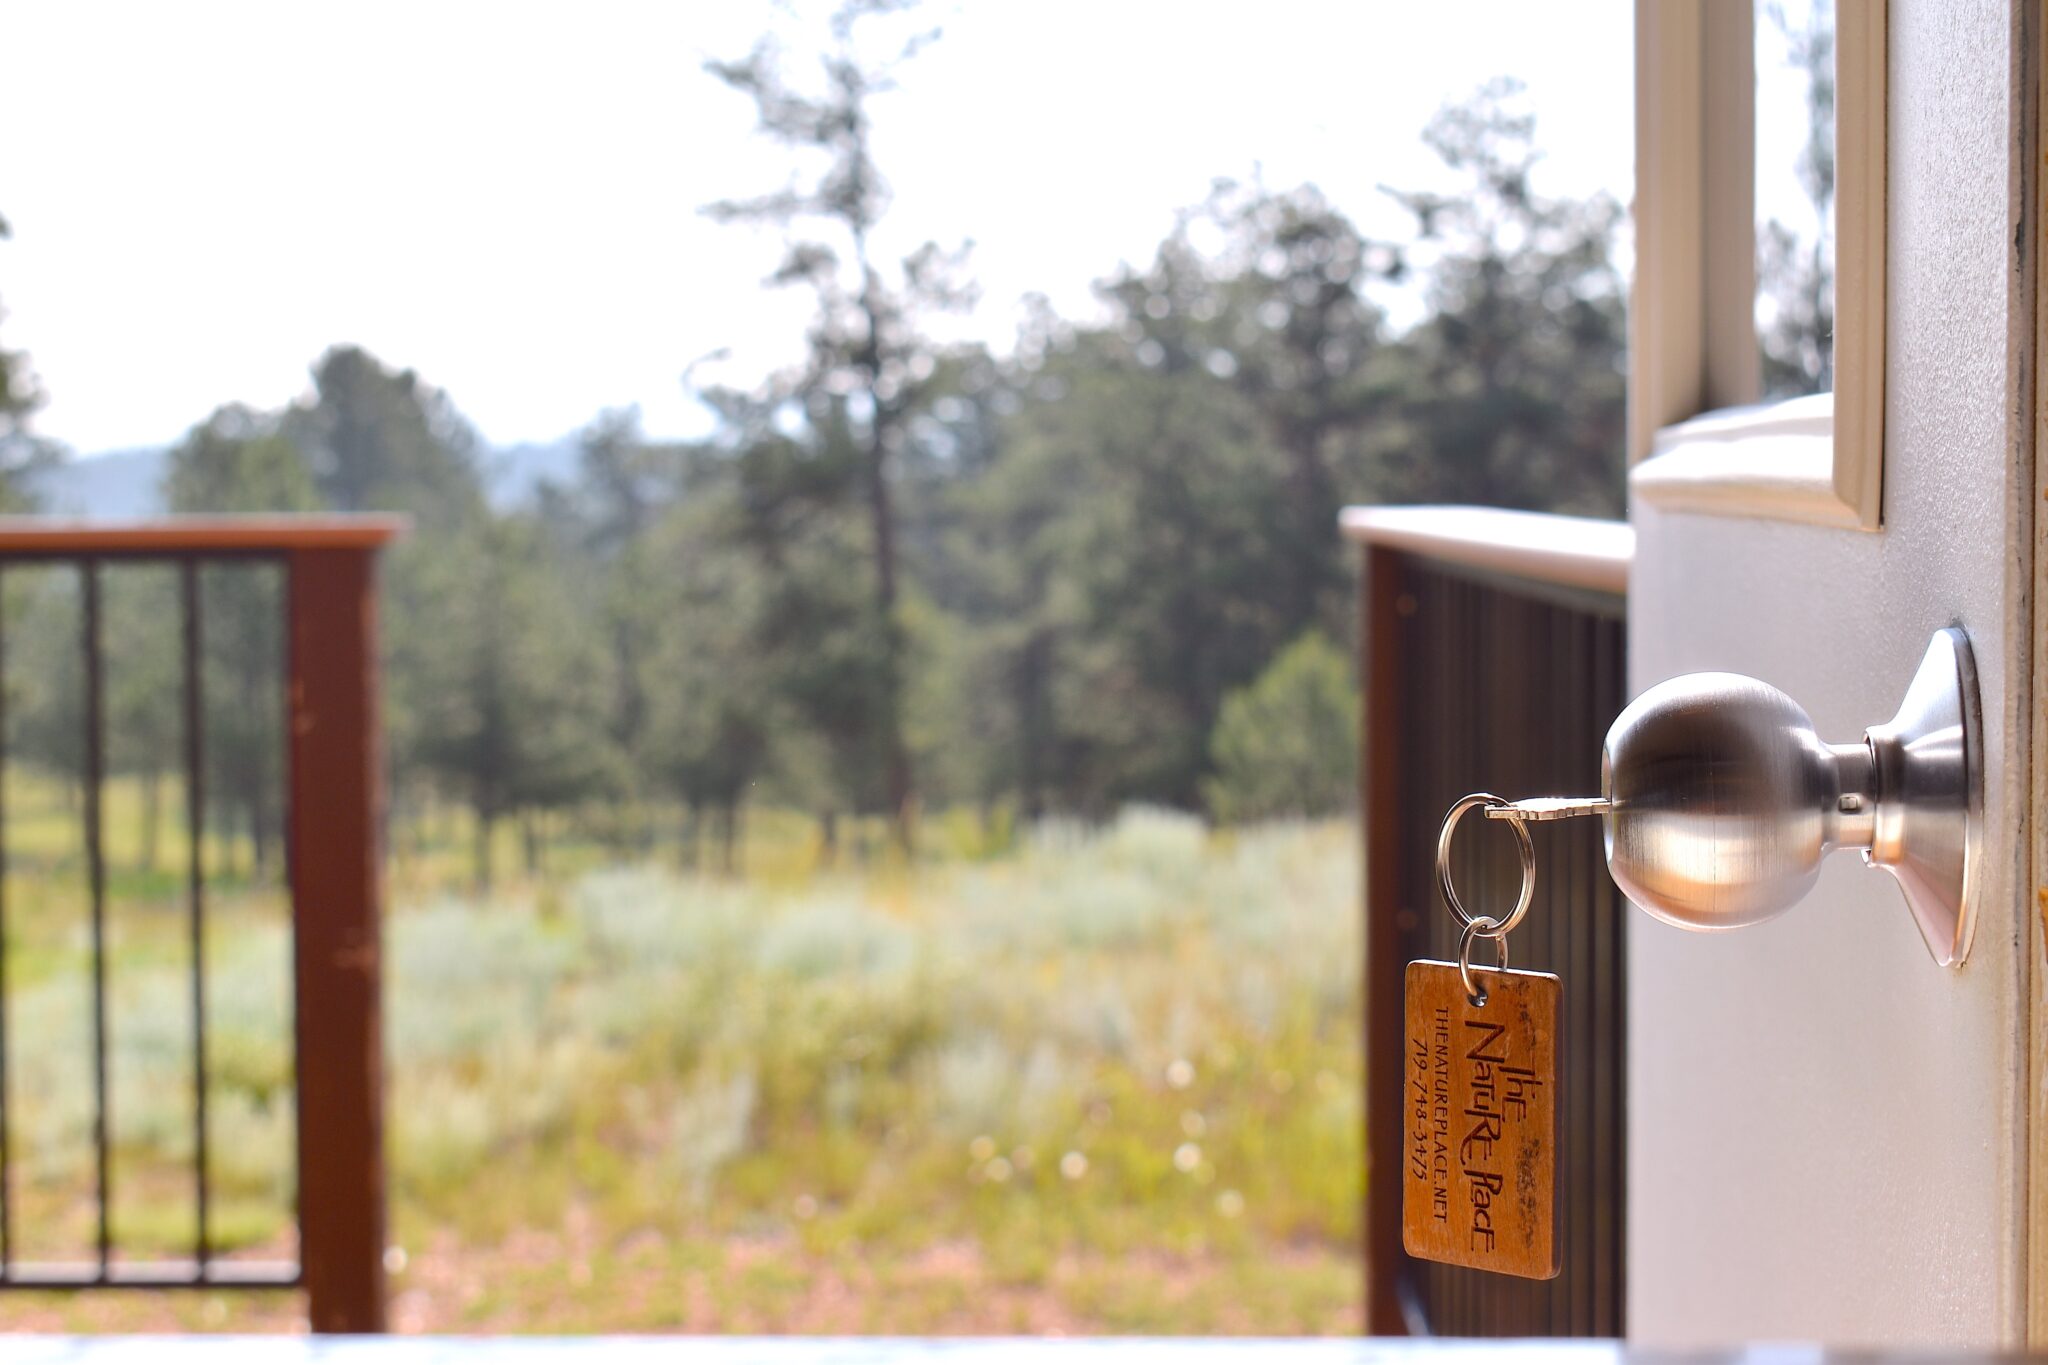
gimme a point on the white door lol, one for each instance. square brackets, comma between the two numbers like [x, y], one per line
[1828, 1133]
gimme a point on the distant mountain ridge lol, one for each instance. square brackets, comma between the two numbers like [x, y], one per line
[126, 484]
[118, 484]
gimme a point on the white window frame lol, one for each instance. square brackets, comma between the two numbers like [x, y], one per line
[1699, 441]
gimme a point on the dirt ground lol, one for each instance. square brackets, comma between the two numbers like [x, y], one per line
[546, 1283]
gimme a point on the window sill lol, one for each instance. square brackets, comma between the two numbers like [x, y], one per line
[1775, 460]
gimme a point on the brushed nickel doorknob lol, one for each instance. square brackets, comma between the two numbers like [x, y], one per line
[1723, 801]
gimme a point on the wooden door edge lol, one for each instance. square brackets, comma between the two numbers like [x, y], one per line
[2028, 355]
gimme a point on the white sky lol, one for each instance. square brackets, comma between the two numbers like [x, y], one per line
[505, 196]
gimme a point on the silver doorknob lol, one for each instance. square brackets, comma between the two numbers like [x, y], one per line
[1723, 800]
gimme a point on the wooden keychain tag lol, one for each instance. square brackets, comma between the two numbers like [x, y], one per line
[1479, 1184]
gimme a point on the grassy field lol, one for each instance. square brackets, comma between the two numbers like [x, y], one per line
[1098, 1080]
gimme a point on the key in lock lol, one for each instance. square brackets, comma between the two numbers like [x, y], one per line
[1719, 800]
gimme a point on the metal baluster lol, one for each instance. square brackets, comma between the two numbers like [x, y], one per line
[95, 765]
[195, 825]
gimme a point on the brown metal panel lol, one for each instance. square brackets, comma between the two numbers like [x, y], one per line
[1610, 1128]
[1572, 906]
[334, 749]
[1503, 686]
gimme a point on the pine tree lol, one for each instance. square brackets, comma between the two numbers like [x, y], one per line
[868, 356]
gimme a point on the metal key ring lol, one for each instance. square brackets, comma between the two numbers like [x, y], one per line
[1473, 931]
[1487, 925]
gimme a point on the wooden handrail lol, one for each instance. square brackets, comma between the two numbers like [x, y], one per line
[1576, 552]
[267, 534]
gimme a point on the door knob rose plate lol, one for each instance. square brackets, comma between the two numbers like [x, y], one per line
[1722, 800]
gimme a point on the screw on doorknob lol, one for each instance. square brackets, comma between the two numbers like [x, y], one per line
[1724, 800]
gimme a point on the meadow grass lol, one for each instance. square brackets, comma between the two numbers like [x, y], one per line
[1091, 1079]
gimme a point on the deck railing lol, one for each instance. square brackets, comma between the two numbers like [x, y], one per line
[332, 824]
[1494, 660]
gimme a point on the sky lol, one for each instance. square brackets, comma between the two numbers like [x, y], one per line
[507, 197]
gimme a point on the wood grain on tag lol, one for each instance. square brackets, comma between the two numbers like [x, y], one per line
[1479, 1185]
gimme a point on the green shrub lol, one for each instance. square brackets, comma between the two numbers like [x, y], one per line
[1288, 744]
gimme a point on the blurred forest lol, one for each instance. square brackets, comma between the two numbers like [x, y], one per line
[1099, 566]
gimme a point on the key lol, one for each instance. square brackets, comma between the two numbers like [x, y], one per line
[1549, 808]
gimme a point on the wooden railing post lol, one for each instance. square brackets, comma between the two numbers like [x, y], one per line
[335, 828]
[1379, 774]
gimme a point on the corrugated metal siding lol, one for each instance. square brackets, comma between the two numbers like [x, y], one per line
[1509, 687]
